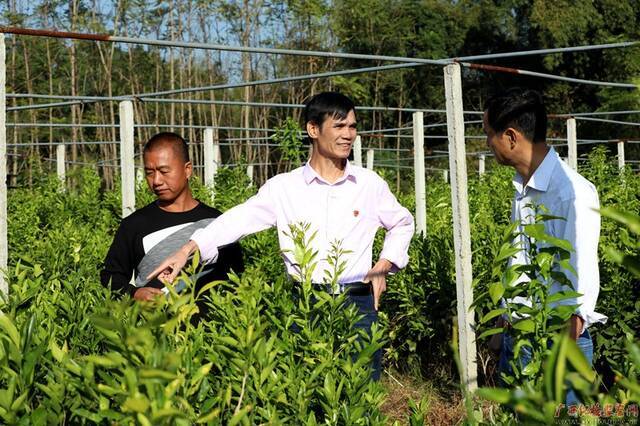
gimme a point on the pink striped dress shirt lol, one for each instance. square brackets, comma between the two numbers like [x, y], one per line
[350, 210]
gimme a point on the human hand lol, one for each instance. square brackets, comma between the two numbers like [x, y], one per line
[377, 276]
[146, 294]
[575, 326]
[172, 265]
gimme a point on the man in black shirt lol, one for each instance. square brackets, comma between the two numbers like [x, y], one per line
[167, 170]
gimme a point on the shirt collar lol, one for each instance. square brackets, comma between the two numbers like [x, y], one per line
[310, 174]
[542, 176]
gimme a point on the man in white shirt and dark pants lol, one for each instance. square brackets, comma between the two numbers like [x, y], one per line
[516, 124]
[341, 202]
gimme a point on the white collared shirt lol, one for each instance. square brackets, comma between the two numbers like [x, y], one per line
[349, 210]
[567, 194]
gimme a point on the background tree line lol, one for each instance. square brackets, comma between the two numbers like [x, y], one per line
[421, 29]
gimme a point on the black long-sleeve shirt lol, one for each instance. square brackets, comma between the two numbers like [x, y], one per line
[143, 229]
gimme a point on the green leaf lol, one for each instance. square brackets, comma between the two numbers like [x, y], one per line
[19, 401]
[96, 418]
[630, 220]
[137, 404]
[207, 287]
[579, 362]
[537, 231]
[154, 373]
[201, 373]
[632, 263]
[526, 325]
[501, 396]
[563, 295]
[548, 370]
[6, 324]
[492, 314]
[209, 417]
[496, 290]
[490, 332]
[106, 361]
[143, 420]
[560, 367]
[6, 395]
[240, 415]
[507, 250]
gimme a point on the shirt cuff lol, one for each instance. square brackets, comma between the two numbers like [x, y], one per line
[397, 262]
[590, 318]
[208, 252]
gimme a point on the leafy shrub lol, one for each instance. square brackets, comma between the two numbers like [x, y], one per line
[537, 392]
[72, 355]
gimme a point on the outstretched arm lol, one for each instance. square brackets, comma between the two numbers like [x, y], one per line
[254, 215]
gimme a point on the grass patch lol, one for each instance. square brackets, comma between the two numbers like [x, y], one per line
[444, 401]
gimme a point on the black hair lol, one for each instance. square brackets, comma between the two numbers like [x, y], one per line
[176, 142]
[522, 109]
[325, 105]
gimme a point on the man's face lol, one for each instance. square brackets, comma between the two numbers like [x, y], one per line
[335, 136]
[166, 173]
[498, 143]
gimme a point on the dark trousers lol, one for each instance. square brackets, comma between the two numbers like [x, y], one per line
[365, 306]
[363, 301]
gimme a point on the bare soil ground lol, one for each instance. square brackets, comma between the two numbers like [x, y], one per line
[445, 406]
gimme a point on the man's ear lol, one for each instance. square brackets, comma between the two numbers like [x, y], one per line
[188, 169]
[512, 136]
[313, 130]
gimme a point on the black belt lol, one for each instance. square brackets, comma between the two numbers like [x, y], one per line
[353, 289]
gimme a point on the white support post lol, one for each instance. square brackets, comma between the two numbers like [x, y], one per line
[60, 164]
[621, 155]
[481, 164]
[357, 151]
[572, 142]
[250, 173]
[4, 245]
[461, 227]
[445, 176]
[211, 160]
[419, 173]
[370, 155]
[127, 163]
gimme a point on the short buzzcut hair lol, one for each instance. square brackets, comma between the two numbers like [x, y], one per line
[325, 105]
[522, 109]
[175, 141]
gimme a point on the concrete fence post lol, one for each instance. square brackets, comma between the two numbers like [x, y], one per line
[60, 164]
[127, 160]
[419, 173]
[621, 155]
[370, 156]
[357, 151]
[461, 226]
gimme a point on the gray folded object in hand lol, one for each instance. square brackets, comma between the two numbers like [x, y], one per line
[165, 248]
